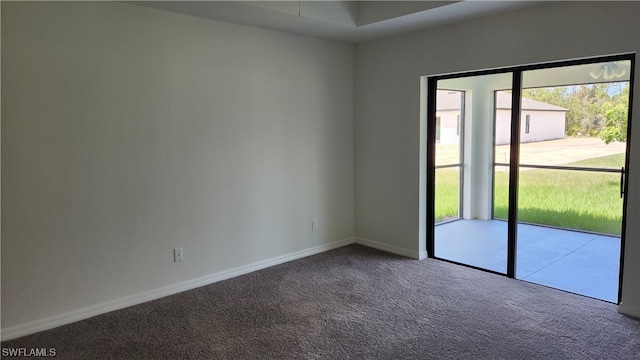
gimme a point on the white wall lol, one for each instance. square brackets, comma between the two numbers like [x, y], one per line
[449, 126]
[390, 143]
[128, 131]
[543, 125]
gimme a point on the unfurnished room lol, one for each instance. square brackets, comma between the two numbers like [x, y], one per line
[320, 179]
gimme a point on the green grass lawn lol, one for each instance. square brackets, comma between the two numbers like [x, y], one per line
[568, 199]
[447, 189]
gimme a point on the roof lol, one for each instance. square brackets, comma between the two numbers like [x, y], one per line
[451, 100]
[504, 102]
[448, 100]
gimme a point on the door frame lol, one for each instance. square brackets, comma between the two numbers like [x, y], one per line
[516, 72]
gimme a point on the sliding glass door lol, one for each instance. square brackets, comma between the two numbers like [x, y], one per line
[526, 170]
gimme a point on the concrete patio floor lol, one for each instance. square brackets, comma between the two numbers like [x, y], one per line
[581, 263]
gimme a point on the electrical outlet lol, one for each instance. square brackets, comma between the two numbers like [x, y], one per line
[314, 225]
[177, 254]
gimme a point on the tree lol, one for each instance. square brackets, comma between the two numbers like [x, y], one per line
[615, 128]
[616, 115]
[588, 113]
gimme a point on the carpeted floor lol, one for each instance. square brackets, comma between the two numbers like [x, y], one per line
[355, 303]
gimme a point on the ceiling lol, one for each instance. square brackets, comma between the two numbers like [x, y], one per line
[346, 21]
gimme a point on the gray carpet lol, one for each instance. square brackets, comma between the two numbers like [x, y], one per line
[355, 303]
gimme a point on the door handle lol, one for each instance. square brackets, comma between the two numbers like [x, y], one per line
[622, 182]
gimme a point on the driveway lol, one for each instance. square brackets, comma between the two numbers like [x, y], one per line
[552, 152]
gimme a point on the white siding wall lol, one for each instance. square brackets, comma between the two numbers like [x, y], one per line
[449, 127]
[543, 125]
[503, 127]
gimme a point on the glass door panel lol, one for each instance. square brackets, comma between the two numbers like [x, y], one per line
[465, 111]
[572, 154]
[449, 111]
[501, 156]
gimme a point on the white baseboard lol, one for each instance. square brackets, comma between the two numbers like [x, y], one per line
[35, 326]
[633, 311]
[390, 248]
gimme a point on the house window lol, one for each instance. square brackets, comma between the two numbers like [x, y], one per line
[526, 124]
[438, 129]
[458, 126]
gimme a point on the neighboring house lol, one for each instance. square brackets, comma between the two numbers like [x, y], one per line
[540, 121]
[448, 119]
